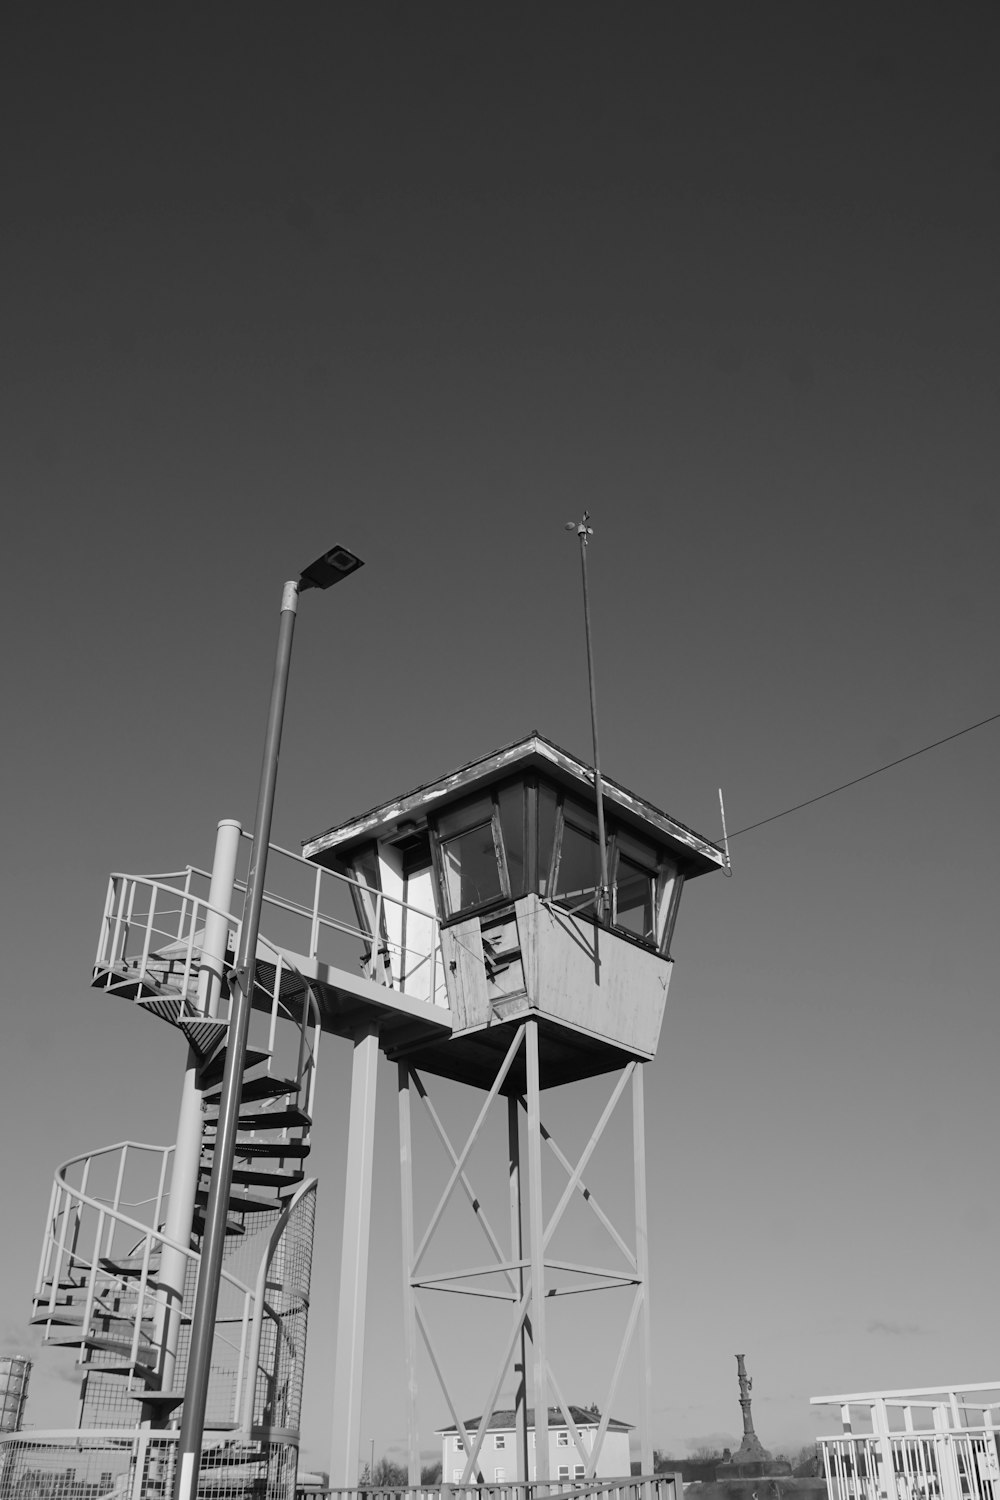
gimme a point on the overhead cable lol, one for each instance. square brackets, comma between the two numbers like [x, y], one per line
[867, 776]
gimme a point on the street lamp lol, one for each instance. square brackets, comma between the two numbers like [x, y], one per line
[328, 569]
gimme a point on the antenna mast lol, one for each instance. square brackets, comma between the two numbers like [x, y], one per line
[584, 531]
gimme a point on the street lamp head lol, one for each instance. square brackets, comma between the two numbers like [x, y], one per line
[329, 569]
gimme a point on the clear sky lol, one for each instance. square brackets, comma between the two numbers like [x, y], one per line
[429, 280]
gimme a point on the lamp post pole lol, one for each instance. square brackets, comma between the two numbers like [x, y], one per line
[326, 570]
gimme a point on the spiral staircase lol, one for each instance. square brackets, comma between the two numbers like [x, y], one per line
[116, 1286]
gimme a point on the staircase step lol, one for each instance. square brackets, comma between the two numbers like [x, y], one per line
[260, 1177]
[104, 1341]
[264, 1087]
[233, 1226]
[260, 1150]
[273, 1119]
[129, 1265]
[169, 1007]
[165, 1400]
[204, 1033]
[124, 979]
[137, 1371]
[239, 1203]
[68, 1316]
[211, 1074]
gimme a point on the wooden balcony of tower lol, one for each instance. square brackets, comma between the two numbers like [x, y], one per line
[478, 894]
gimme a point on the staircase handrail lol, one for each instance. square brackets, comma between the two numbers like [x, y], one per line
[257, 1326]
[196, 909]
[104, 1208]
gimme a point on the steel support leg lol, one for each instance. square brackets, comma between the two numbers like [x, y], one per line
[521, 1444]
[642, 1271]
[409, 1295]
[350, 1346]
[536, 1237]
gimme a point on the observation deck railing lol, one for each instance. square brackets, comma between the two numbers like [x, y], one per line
[308, 911]
[931, 1443]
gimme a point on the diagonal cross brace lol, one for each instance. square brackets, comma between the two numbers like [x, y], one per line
[574, 1182]
[585, 1192]
[460, 1162]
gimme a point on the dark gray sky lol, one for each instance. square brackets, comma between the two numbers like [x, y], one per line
[429, 280]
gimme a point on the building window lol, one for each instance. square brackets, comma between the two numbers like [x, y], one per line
[459, 1445]
[633, 898]
[456, 1476]
[480, 851]
[562, 1439]
[578, 863]
[500, 1440]
[499, 1475]
[578, 1471]
[471, 869]
[563, 1471]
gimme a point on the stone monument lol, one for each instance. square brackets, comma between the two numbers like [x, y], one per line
[751, 1459]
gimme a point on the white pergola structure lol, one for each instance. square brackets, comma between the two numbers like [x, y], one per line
[481, 897]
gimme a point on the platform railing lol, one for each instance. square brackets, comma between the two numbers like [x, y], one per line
[150, 947]
[152, 927]
[920, 1444]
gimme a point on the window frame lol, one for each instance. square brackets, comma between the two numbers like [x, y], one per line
[439, 838]
[616, 852]
[665, 872]
[499, 1440]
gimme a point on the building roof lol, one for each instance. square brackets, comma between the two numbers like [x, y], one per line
[503, 1420]
[697, 855]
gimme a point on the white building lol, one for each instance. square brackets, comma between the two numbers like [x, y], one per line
[498, 1459]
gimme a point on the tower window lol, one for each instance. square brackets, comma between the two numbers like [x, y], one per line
[471, 868]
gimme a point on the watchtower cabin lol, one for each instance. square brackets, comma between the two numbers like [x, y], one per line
[504, 854]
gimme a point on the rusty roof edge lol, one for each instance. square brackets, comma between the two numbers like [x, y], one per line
[488, 765]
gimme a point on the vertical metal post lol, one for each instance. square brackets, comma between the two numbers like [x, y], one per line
[642, 1271]
[409, 1295]
[536, 1236]
[349, 1362]
[187, 1151]
[214, 1241]
[584, 532]
[517, 1253]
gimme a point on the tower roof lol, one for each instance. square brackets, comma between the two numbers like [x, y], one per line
[697, 855]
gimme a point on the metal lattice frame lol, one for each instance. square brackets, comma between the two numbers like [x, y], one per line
[531, 1273]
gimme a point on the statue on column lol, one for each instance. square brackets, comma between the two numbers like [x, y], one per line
[751, 1459]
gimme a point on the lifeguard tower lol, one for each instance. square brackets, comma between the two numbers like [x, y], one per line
[481, 896]
[462, 931]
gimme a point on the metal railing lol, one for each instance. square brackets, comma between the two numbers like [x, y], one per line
[921, 1444]
[152, 926]
[150, 949]
[635, 1487]
[97, 1280]
[98, 1268]
[122, 1464]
